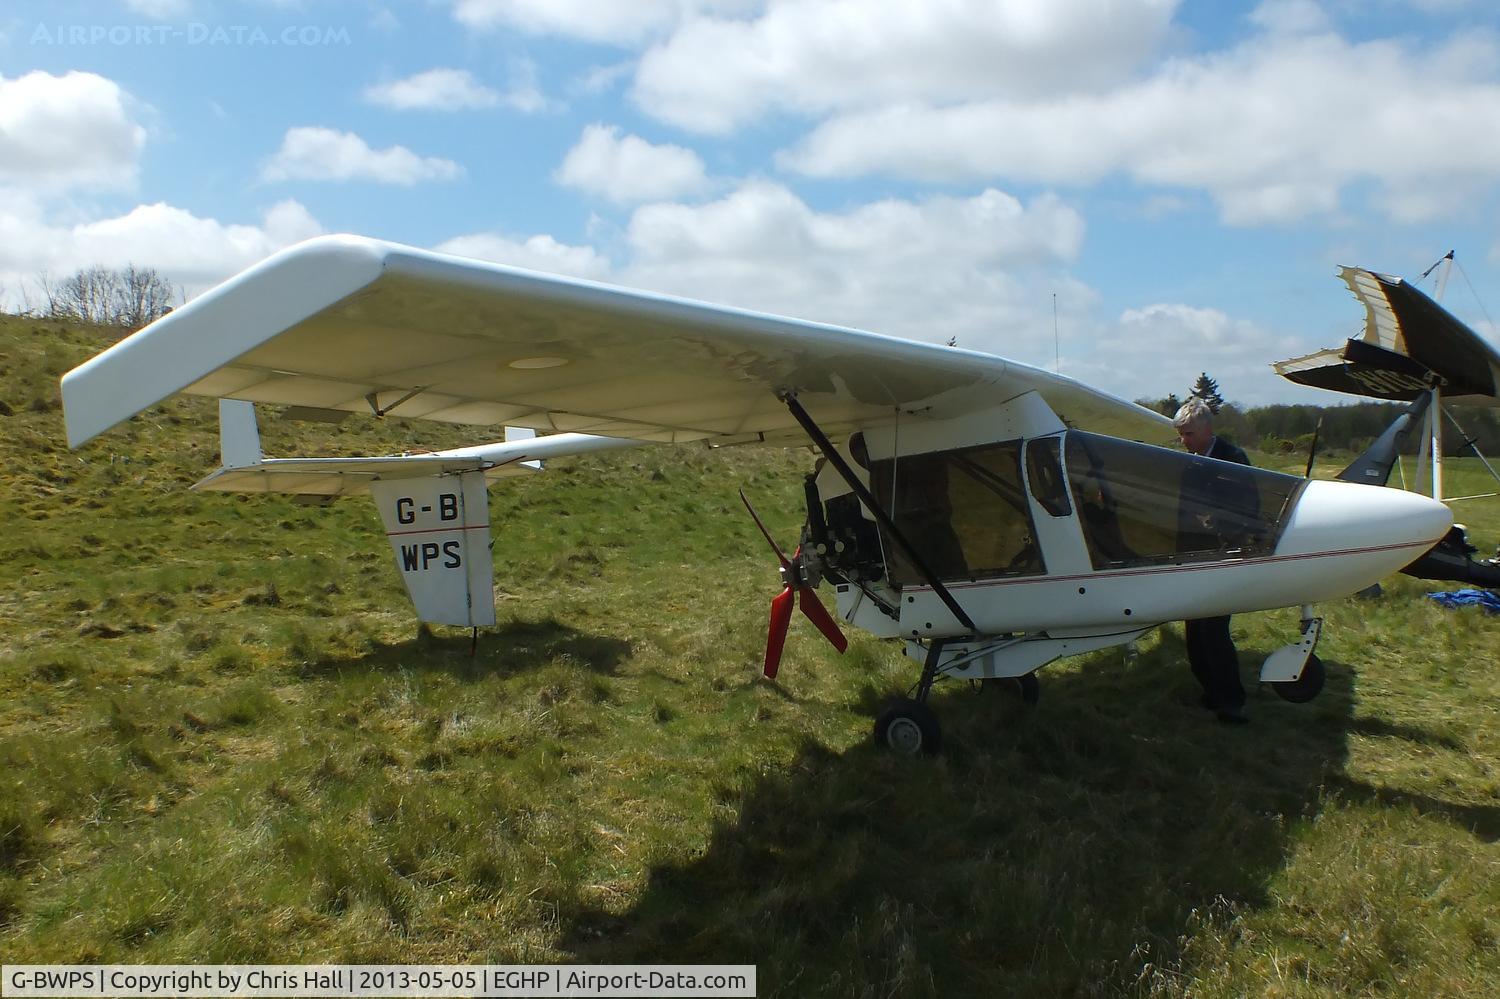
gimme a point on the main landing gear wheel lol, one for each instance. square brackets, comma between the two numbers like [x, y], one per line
[909, 728]
[1305, 687]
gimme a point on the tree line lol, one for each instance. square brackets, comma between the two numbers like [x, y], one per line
[128, 297]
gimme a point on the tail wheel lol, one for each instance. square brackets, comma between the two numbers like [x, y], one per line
[1305, 687]
[1026, 685]
[909, 728]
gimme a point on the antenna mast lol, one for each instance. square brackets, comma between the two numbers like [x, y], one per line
[1056, 344]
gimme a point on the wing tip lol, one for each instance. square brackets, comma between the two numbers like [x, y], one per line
[170, 354]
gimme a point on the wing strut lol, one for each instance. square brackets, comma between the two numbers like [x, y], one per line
[868, 498]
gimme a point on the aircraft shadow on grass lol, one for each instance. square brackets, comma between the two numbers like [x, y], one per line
[1481, 820]
[514, 647]
[1054, 849]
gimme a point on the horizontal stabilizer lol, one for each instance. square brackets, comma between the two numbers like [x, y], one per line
[339, 476]
[353, 476]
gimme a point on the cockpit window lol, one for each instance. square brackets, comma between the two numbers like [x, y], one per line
[965, 511]
[1143, 505]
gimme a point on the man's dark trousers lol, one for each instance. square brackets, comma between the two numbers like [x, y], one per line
[1211, 652]
[1214, 661]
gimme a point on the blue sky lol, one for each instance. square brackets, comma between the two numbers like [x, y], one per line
[1183, 177]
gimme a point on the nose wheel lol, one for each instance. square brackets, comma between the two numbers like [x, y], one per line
[1294, 671]
[1305, 687]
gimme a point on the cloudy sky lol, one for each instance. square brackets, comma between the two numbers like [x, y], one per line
[1138, 190]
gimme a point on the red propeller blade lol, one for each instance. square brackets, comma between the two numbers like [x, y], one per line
[818, 615]
[782, 604]
[781, 616]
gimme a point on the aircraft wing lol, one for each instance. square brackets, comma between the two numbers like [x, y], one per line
[353, 324]
[1410, 342]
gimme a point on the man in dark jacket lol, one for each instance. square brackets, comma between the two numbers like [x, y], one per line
[1214, 510]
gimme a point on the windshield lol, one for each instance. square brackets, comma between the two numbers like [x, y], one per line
[1143, 505]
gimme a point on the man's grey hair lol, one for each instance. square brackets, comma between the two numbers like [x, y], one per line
[1195, 410]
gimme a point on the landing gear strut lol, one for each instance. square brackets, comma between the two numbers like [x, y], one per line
[909, 726]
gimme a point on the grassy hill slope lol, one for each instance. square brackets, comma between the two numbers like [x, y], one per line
[224, 739]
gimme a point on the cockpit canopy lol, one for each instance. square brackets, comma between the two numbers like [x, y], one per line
[972, 511]
[1143, 505]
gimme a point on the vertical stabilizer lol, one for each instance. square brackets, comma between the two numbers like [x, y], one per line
[239, 437]
[439, 528]
[523, 434]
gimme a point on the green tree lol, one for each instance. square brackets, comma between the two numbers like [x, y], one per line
[1208, 390]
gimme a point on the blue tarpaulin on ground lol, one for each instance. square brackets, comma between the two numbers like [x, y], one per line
[1468, 598]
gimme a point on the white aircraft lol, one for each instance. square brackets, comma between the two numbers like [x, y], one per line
[992, 516]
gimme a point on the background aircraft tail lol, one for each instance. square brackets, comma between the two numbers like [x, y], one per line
[1373, 468]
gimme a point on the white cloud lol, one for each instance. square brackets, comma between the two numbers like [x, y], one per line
[931, 269]
[434, 90]
[617, 22]
[385, 21]
[816, 56]
[192, 251]
[525, 94]
[160, 10]
[1289, 16]
[1158, 349]
[1440, 6]
[445, 89]
[539, 253]
[980, 269]
[58, 132]
[1274, 130]
[627, 169]
[600, 79]
[308, 153]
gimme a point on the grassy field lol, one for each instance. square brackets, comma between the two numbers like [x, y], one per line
[224, 739]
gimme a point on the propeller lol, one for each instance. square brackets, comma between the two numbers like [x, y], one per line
[798, 590]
